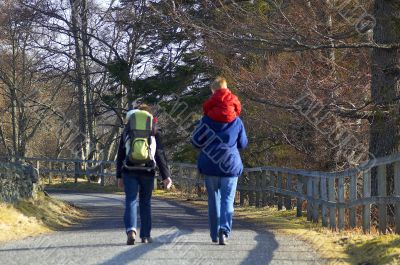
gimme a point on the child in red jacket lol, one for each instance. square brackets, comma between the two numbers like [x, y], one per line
[222, 106]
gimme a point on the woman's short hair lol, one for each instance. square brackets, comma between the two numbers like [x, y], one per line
[219, 82]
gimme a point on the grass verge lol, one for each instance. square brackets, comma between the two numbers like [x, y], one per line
[347, 247]
[36, 216]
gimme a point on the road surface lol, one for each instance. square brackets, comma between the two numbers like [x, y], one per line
[180, 233]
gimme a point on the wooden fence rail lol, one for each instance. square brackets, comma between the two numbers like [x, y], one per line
[74, 168]
[338, 200]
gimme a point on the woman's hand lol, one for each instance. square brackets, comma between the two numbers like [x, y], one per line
[120, 183]
[167, 183]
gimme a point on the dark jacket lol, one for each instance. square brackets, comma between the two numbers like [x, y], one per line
[160, 157]
[219, 144]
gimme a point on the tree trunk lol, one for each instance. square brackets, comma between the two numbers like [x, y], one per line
[384, 129]
[79, 68]
[14, 104]
[89, 100]
[331, 55]
[3, 139]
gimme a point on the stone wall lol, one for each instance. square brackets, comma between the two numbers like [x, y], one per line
[17, 181]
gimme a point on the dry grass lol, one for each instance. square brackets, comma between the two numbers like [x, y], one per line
[35, 216]
[347, 247]
[376, 250]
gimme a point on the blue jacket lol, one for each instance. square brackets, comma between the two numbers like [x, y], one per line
[219, 144]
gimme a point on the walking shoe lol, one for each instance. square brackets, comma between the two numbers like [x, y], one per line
[214, 240]
[146, 240]
[222, 238]
[131, 238]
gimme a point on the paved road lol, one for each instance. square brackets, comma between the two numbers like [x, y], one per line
[180, 233]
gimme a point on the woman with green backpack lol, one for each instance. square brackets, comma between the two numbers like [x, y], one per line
[140, 150]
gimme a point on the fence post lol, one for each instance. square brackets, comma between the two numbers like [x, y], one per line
[251, 191]
[50, 172]
[397, 193]
[199, 182]
[87, 172]
[180, 177]
[299, 201]
[186, 181]
[367, 207]
[77, 171]
[279, 186]
[341, 200]
[240, 187]
[353, 197]
[288, 199]
[257, 188]
[264, 184]
[38, 168]
[324, 197]
[309, 199]
[102, 175]
[382, 192]
[332, 198]
[315, 213]
[272, 183]
[62, 174]
[241, 198]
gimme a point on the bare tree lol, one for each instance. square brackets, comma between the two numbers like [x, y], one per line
[29, 96]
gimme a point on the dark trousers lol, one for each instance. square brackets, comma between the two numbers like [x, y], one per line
[134, 184]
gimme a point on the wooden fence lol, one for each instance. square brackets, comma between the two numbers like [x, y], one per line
[337, 199]
[72, 168]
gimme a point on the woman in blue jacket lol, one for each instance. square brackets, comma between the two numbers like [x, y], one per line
[219, 161]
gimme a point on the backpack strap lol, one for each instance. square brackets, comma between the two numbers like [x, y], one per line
[149, 168]
[132, 126]
[149, 127]
[149, 122]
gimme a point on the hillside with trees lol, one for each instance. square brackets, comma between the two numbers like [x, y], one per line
[318, 79]
[319, 85]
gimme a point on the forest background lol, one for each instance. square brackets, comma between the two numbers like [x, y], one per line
[318, 80]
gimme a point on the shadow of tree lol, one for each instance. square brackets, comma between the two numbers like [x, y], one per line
[181, 236]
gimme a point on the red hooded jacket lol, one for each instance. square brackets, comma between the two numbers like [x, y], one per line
[222, 106]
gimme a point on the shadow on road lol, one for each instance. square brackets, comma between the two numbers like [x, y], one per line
[180, 222]
[180, 231]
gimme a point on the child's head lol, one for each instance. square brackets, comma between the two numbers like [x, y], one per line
[136, 108]
[144, 107]
[219, 82]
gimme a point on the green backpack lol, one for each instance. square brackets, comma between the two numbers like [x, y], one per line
[141, 128]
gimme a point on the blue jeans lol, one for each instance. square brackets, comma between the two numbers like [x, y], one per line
[221, 195]
[143, 185]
